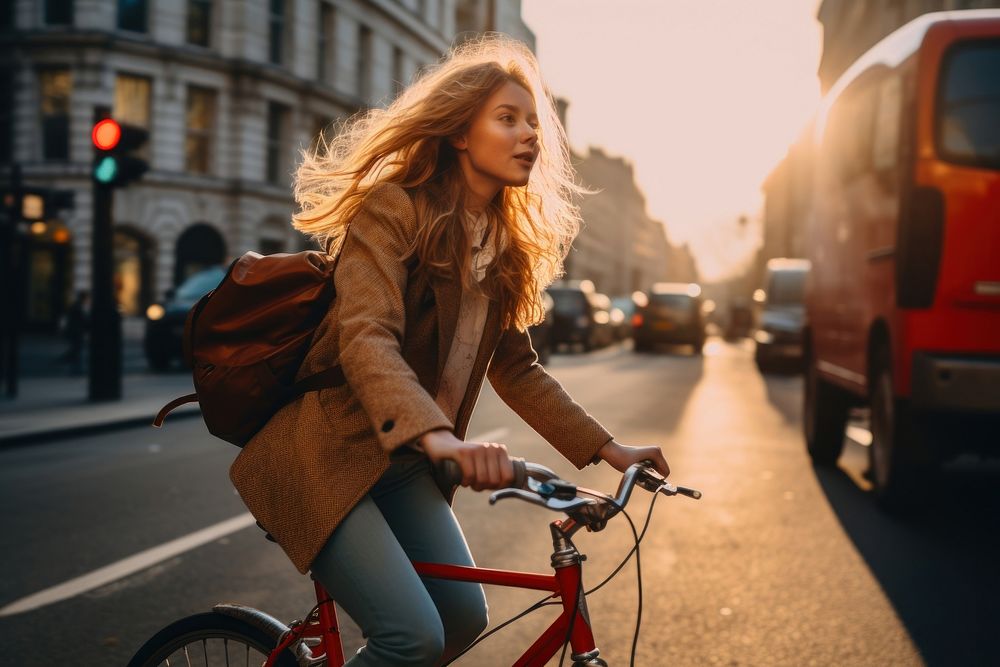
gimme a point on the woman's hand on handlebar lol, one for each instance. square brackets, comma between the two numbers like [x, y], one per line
[485, 465]
[620, 456]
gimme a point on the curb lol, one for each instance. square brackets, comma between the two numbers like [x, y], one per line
[60, 433]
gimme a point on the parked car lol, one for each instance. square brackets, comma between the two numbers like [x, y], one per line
[672, 315]
[606, 320]
[781, 315]
[165, 322]
[626, 304]
[541, 333]
[578, 315]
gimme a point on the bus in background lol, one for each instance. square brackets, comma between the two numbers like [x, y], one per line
[903, 299]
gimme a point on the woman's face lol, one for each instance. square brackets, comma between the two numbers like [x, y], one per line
[501, 144]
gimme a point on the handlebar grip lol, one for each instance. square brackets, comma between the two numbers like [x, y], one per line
[451, 472]
[690, 493]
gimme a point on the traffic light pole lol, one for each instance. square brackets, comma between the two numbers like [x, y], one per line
[12, 300]
[105, 320]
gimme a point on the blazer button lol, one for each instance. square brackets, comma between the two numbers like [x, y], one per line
[387, 425]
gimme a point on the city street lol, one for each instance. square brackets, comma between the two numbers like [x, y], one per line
[778, 564]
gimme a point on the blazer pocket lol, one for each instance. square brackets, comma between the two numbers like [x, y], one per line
[343, 412]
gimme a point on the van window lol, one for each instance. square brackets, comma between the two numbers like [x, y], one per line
[847, 141]
[968, 131]
[885, 146]
[787, 288]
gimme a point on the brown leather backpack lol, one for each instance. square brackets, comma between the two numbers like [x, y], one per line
[246, 339]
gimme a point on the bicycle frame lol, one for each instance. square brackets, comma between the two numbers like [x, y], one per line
[321, 633]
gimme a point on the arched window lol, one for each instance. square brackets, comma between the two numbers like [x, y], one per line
[199, 247]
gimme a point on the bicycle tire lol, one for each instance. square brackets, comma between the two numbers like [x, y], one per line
[215, 639]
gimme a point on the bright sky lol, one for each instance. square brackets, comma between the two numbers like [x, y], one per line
[702, 96]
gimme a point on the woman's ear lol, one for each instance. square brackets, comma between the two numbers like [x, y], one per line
[458, 142]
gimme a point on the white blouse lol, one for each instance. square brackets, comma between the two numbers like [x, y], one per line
[469, 328]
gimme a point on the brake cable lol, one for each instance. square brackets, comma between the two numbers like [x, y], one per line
[547, 600]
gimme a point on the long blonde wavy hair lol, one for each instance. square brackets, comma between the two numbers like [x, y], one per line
[407, 144]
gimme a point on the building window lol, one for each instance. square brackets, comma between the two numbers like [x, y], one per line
[132, 15]
[200, 129]
[55, 85]
[324, 46]
[319, 132]
[277, 27]
[364, 62]
[6, 15]
[59, 12]
[199, 22]
[133, 104]
[277, 116]
[397, 71]
[6, 119]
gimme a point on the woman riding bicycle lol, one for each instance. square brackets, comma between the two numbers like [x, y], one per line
[451, 212]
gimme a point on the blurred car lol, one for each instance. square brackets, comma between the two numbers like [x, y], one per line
[541, 333]
[739, 322]
[782, 314]
[625, 304]
[165, 321]
[578, 315]
[607, 320]
[673, 314]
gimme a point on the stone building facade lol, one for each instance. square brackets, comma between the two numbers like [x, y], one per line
[621, 249]
[230, 91]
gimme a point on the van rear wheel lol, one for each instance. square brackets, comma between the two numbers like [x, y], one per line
[899, 457]
[824, 417]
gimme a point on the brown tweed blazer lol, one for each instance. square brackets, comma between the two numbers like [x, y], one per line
[319, 455]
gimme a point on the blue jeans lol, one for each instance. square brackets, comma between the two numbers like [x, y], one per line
[365, 566]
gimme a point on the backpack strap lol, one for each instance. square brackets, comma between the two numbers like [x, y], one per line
[331, 377]
[171, 406]
[326, 379]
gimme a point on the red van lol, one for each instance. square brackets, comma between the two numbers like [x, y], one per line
[903, 300]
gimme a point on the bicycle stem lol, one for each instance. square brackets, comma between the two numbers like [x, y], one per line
[564, 552]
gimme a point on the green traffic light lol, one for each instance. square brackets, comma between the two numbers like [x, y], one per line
[106, 170]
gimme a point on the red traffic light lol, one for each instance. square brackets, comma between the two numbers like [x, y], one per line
[106, 134]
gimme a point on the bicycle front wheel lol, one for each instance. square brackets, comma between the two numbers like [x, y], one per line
[209, 640]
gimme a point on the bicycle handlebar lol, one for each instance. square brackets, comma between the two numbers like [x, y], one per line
[539, 485]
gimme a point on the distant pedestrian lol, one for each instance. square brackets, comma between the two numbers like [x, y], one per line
[75, 330]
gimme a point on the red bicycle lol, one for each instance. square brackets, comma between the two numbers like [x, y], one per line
[235, 634]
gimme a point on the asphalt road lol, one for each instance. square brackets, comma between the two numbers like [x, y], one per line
[778, 564]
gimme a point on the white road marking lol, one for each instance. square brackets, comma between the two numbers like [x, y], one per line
[127, 566]
[150, 557]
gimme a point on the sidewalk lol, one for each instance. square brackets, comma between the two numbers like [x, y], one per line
[48, 408]
[39, 353]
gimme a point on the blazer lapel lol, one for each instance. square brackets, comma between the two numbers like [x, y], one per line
[487, 346]
[448, 300]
